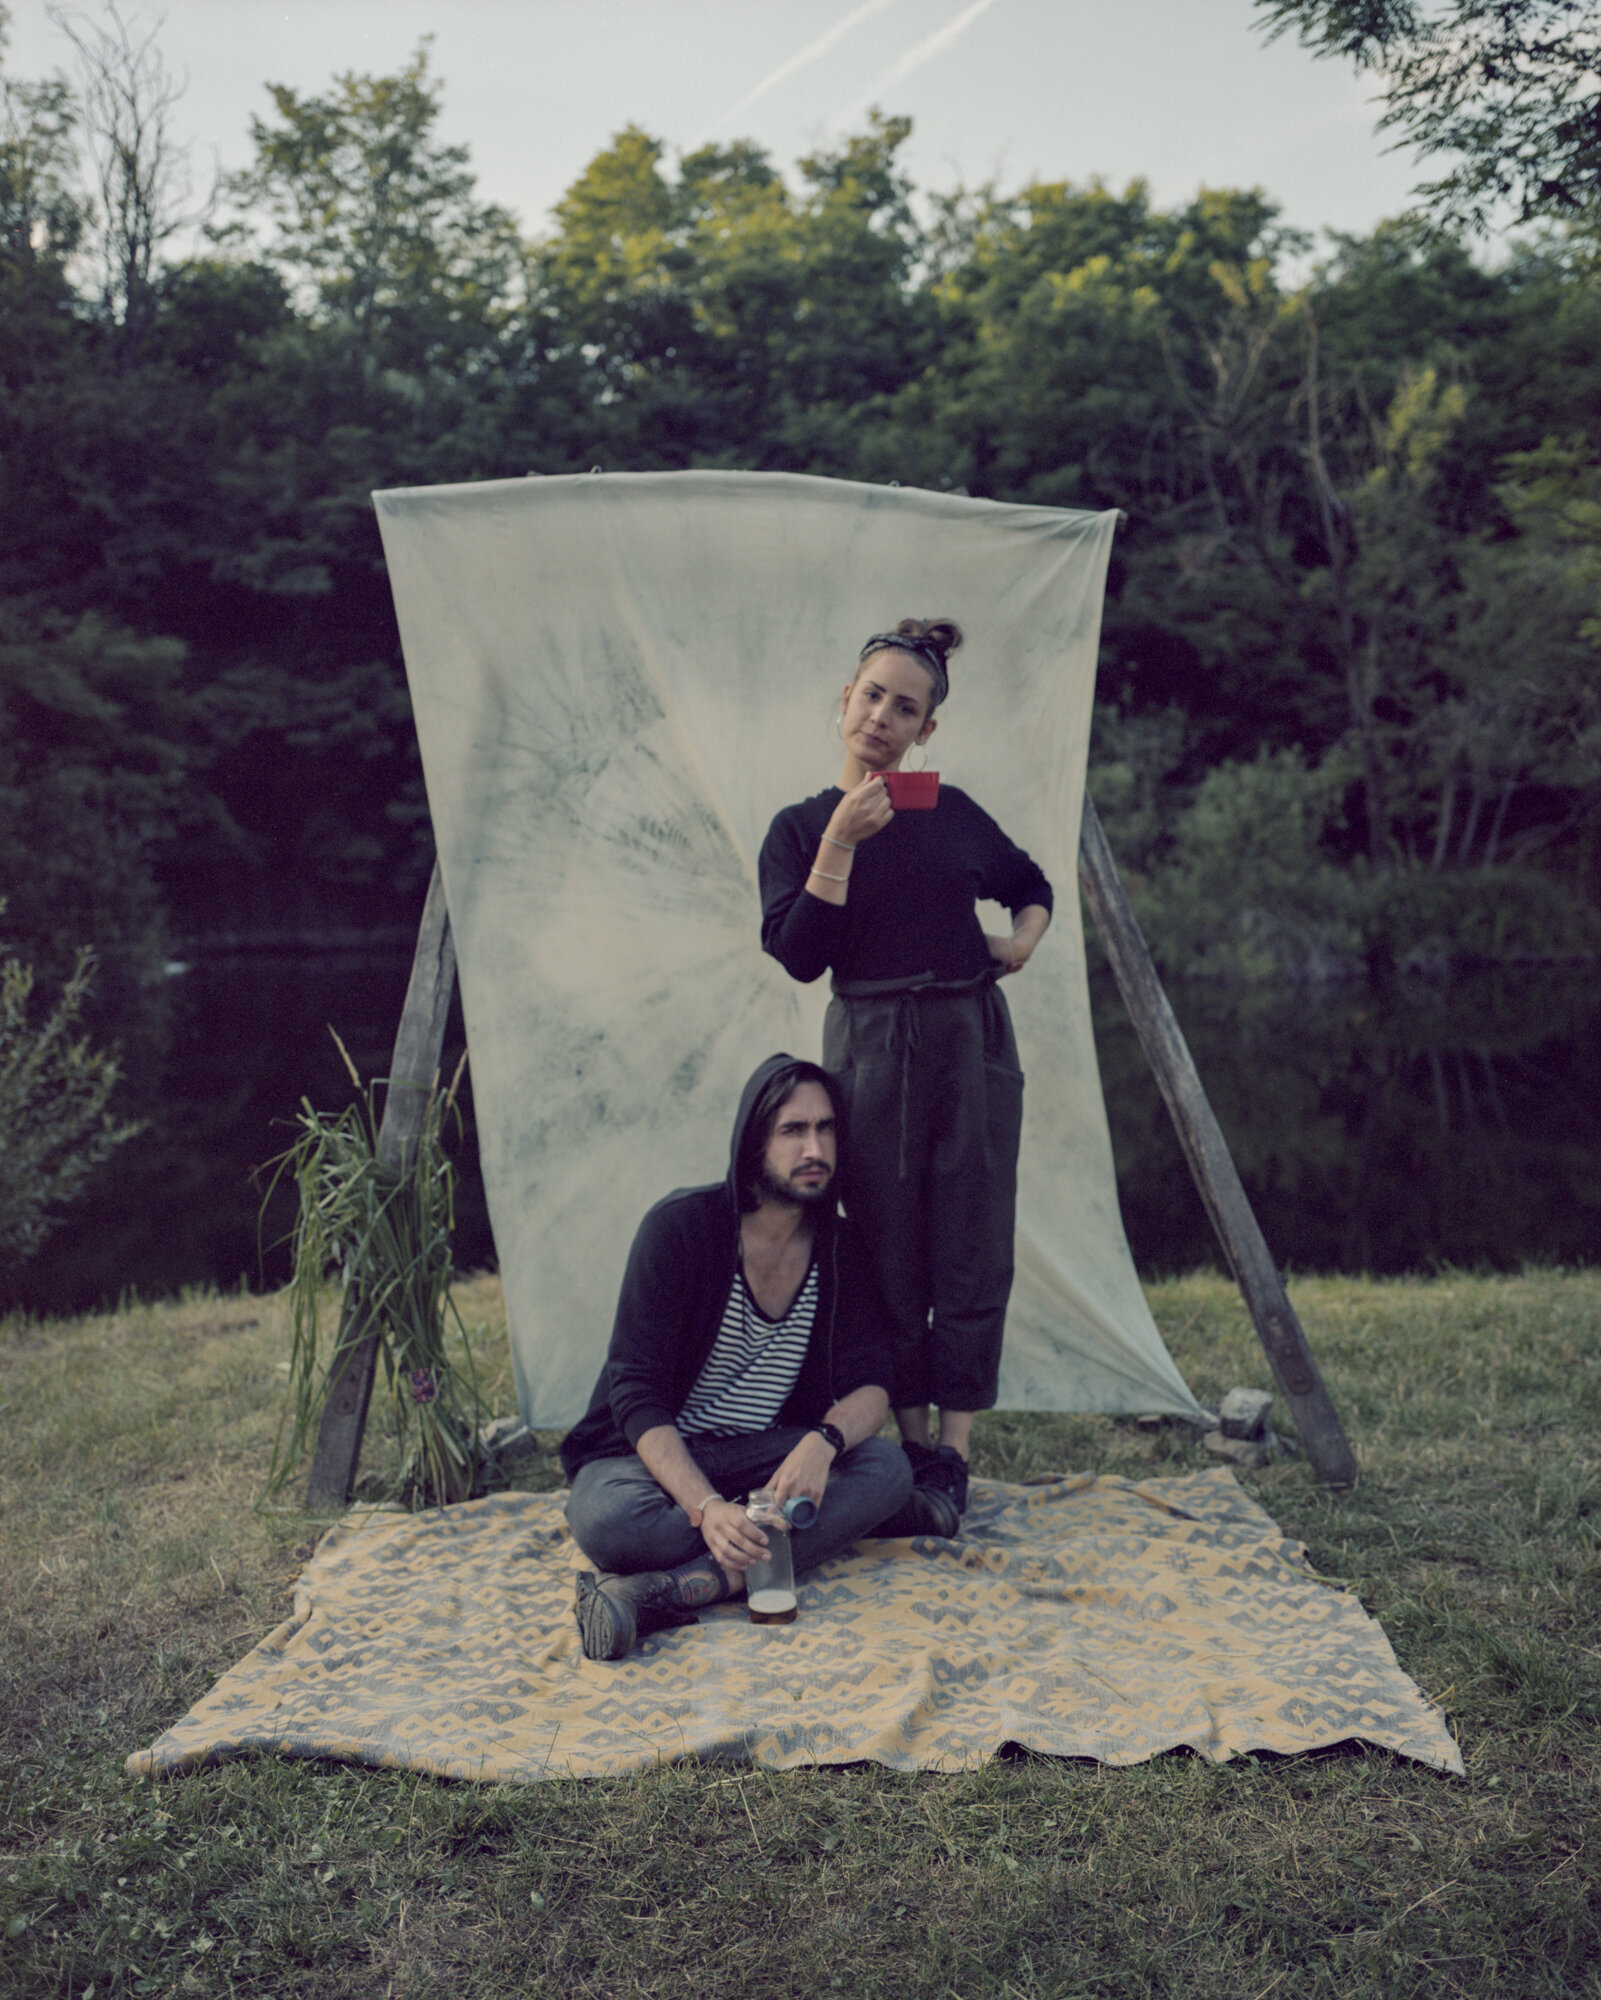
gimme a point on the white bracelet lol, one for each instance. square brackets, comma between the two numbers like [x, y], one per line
[848, 845]
[829, 878]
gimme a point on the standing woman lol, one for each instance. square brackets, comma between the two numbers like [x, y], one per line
[920, 1038]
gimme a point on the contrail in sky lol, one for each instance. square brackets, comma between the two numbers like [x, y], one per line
[915, 57]
[814, 51]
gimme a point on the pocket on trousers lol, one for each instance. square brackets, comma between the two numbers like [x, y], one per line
[1000, 1044]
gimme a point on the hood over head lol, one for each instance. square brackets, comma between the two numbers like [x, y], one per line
[794, 1072]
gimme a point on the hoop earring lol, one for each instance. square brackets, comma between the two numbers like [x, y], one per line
[920, 752]
[839, 724]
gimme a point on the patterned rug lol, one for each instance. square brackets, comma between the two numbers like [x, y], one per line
[1088, 1617]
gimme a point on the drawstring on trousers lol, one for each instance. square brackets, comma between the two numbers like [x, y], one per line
[906, 1033]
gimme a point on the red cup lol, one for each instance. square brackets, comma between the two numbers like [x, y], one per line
[912, 791]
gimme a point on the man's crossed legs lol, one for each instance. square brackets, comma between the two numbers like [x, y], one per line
[659, 1567]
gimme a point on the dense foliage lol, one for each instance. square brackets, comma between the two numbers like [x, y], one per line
[54, 1088]
[1509, 91]
[1349, 690]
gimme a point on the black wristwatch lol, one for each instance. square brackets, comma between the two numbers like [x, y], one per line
[834, 1435]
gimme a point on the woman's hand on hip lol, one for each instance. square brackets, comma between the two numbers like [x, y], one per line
[1014, 952]
[864, 811]
[1011, 953]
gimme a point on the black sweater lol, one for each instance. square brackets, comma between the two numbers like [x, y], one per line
[913, 888]
[674, 1290]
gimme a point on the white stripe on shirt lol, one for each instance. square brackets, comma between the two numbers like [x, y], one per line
[754, 1364]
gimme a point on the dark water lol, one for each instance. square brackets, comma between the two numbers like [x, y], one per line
[1377, 1131]
[245, 1039]
[1387, 1130]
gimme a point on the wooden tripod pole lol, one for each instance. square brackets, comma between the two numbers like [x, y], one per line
[1280, 1332]
[412, 1070]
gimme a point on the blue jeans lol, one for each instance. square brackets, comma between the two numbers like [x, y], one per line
[624, 1522]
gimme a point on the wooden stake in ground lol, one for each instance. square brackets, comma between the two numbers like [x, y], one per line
[1316, 1420]
[412, 1071]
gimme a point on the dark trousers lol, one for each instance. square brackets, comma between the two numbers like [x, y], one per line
[624, 1522]
[936, 1117]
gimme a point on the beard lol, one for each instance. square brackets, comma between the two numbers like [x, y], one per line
[774, 1188]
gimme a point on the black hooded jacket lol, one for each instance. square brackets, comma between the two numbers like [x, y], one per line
[683, 1261]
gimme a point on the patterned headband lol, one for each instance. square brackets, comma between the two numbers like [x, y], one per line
[922, 650]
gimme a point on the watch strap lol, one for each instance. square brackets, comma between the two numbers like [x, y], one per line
[834, 1435]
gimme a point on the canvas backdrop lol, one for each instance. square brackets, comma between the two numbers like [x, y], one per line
[618, 680]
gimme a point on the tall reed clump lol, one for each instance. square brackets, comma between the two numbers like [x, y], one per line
[381, 1227]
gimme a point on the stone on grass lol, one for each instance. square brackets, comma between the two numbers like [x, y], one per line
[506, 1442]
[1243, 1451]
[1244, 1412]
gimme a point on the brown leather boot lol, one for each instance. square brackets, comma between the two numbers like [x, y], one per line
[615, 1612]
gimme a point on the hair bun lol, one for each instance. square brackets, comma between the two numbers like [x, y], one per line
[943, 634]
[927, 640]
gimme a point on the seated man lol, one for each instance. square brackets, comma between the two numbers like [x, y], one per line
[748, 1351]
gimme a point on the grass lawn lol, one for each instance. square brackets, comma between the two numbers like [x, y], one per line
[134, 1568]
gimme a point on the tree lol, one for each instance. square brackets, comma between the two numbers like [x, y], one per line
[94, 784]
[126, 98]
[1248, 888]
[1512, 87]
[1554, 494]
[54, 1089]
[1481, 684]
[1093, 350]
[41, 214]
[1329, 591]
[718, 318]
[41, 224]
[376, 224]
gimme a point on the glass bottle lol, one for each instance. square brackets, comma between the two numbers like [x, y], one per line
[770, 1584]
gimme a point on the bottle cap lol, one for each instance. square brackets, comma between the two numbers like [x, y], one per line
[800, 1510]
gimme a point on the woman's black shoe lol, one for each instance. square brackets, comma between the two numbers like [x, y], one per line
[938, 1468]
[926, 1511]
[946, 1474]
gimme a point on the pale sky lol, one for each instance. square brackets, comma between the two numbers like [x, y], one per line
[1183, 92]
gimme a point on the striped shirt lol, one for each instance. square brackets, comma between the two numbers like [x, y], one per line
[754, 1364]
